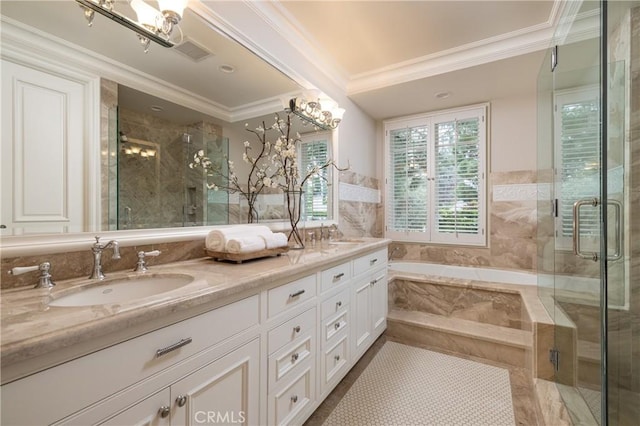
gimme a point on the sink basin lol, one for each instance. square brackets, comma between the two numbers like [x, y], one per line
[346, 241]
[123, 290]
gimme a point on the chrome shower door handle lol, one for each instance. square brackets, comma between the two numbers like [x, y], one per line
[617, 255]
[593, 202]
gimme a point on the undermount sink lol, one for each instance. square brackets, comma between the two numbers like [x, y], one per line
[346, 241]
[122, 290]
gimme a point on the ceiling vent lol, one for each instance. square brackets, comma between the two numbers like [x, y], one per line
[192, 50]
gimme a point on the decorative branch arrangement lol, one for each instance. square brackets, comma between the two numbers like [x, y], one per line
[274, 166]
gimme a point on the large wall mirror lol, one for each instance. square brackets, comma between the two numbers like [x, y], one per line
[143, 116]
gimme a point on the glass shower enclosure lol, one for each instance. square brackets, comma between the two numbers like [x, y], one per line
[588, 117]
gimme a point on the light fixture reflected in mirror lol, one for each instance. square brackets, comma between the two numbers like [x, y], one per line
[321, 112]
[151, 24]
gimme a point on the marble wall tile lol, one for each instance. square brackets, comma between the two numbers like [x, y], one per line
[550, 403]
[358, 218]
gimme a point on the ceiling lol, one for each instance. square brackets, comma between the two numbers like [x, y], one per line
[393, 57]
[396, 56]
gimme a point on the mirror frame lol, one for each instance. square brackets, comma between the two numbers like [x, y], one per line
[34, 50]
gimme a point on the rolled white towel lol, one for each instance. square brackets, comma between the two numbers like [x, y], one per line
[245, 244]
[217, 238]
[275, 240]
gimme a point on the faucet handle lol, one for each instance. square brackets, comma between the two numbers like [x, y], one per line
[45, 276]
[141, 266]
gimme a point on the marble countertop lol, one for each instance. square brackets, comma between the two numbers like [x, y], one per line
[30, 328]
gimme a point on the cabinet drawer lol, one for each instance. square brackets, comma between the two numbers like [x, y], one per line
[98, 375]
[369, 261]
[279, 299]
[335, 359]
[283, 362]
[335, 325]
[296, 328]
[288, 403]
[335, 276]
[335, 303]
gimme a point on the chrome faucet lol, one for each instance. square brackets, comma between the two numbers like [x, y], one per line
[97, 250]
[45, 275]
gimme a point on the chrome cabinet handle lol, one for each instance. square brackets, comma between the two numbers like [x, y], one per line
[294, 357]
[373, 282]
[337, 358]
[173, 347]
[337, 277]
[338, 304]
[181, 400]
[593, 202]
[294, 398]
[164, 411]
[296, 294]
[336, 325]
[296, 329]
[372, 262]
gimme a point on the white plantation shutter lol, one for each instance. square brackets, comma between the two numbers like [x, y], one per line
[577, 135]
[314, 153]
[407, 181]
[435, 178]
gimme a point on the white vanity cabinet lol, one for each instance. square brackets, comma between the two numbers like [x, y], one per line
[369, 300]
[92, 388]
[269, 358]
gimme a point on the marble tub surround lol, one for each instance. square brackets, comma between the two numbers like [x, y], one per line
[526, 347]
[499, 308]
[38, 335]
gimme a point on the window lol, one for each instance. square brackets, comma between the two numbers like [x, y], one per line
[577, 164]
[435, 177]
[315, 151]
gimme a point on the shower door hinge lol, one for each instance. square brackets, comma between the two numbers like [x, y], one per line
[554, 207]
[554, 358]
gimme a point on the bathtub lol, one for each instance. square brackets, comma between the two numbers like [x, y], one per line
[465, 273]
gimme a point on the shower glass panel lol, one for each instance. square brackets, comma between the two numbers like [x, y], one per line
[569, 223]
[622, 154]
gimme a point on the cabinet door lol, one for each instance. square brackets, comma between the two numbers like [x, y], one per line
[226, 391]
[42, 150]
[379, 307]
[361, 304]
[148, 412]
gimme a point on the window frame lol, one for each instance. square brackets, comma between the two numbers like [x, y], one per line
[332, 186]
[432, 235]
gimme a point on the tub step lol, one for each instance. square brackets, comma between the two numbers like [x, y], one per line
[491, 342]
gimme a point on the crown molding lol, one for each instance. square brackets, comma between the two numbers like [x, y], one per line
[23, 43]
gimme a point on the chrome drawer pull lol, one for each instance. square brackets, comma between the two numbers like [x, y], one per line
[296, 329]
[337, 358]
[337, 277]
[373, 282]
[294, 357]
[372, 262]
[181, 400]
[338, 304]
[294, 398]
[337, 325]
[164, 411]
[173, 347]
[296, 294]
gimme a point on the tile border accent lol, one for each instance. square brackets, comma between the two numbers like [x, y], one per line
[349, 192]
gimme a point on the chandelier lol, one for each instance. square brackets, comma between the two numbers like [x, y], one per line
[320, 112]
[151, 25]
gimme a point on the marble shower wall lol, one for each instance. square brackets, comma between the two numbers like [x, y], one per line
[512, 213]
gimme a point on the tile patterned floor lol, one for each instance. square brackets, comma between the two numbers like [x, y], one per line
[518, 394]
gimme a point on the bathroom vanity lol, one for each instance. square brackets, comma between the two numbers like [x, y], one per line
[263, 342]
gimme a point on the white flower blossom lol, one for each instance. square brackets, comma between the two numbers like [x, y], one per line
[266, 181]
[247, 144]
[201, 153]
